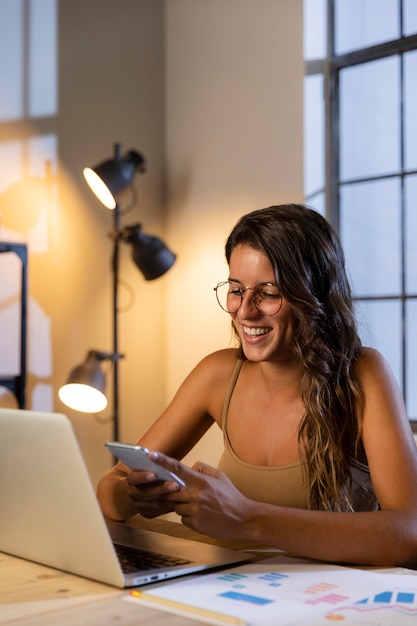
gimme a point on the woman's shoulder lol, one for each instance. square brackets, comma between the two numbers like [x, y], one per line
[373, 368]
[371, 359]
[221, 362]
[210, 379]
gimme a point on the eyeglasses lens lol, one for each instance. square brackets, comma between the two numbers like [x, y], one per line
[266, 297]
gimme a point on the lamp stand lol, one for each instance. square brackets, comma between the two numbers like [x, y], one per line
[115, 312]
[108, 180]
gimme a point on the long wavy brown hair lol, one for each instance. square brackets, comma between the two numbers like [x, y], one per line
[309, 266]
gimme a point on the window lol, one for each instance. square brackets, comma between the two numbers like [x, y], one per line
[28, 165]
[361, 161]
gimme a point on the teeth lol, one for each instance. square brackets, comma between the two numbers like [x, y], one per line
[255, 331]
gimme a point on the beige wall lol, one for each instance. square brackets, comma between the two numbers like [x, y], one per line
[210, 91]
[112, 89]
[234, 143]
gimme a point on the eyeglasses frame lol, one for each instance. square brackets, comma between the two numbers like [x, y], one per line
[244, 289]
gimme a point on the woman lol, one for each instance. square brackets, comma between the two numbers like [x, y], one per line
[319, 458]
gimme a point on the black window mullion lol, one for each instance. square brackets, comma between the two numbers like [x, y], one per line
[332, 125]
[403, 226]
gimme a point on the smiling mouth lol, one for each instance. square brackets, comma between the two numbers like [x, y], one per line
[255, 332]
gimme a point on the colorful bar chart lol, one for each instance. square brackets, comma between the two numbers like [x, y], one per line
[396, 607]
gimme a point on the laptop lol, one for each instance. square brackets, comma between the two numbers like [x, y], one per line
[49, 512]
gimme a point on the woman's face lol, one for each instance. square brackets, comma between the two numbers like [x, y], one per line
[263, 337]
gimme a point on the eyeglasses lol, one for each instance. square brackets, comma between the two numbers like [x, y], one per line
[266, 297]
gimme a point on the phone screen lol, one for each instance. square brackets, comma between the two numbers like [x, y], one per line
[136, 458]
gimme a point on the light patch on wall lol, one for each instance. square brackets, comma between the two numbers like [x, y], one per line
[40, 358]
[10, 270]
[11, 158]
[42, 397]
[42, 161]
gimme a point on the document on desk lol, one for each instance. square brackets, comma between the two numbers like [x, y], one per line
[288, 591]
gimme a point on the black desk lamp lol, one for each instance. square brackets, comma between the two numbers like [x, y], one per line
[84, 390]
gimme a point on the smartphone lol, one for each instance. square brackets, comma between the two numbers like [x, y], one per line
[136, 458]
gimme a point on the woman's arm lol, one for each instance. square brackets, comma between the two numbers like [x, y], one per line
[198, 402]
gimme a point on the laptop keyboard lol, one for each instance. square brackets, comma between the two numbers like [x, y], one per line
[134, 559]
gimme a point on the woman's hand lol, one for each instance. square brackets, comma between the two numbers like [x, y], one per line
[209, 502]
[148, 496]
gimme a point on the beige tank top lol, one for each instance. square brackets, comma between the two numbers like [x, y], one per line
[282, 485]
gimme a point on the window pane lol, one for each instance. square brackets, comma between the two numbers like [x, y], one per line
[370, 119]
[410, 108]
[410, 17]
[315, 29]
[380, 326]
[411, 358]
[360, 24]
[313, 134]
[43, 58]
[11, 60]
[370, 226]
[318, 203]
[411, 235]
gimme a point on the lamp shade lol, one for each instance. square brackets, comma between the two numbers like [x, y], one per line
[109, 179]
[84, 390]
[149, 253]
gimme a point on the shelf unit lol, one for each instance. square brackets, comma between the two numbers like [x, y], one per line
[17, 383]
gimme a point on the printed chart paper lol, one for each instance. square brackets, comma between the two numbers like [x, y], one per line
[290, 591]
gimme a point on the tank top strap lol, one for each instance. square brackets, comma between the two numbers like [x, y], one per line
[234, 378]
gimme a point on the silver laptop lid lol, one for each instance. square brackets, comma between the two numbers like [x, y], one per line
[49, 511]
[50, 514]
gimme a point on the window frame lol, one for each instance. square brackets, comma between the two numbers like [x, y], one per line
[330, 68]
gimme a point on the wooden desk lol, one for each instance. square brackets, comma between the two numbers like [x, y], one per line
[35, 595]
